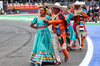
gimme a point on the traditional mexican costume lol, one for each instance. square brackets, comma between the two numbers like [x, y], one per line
[71, 43]
[79, 27]
[59, 27]
[82, 20]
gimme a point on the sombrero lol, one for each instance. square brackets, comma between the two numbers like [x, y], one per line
[56, 5]
[79, 3]
[64, 7]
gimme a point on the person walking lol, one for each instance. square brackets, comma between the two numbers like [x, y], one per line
[71, 44]
[79, 23]
[59, 31]
[42, 49]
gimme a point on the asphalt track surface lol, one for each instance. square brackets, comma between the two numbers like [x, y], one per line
[16, 43]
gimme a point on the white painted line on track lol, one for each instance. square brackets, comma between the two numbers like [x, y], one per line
[89, 53]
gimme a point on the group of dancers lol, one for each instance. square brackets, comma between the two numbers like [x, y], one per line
[56, 31]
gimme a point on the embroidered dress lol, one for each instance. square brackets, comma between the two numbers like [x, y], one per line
[42, 49]
[72, 44]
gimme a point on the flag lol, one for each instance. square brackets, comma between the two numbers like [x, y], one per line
[84, 10]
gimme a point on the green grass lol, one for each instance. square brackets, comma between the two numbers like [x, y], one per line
[17, 16]
[92, 23]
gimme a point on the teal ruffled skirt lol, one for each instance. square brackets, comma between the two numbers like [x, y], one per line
[71, 38]
[42, 49]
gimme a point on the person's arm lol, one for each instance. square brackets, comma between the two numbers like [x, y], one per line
[31, 25]
[33, 22]
[82, 13]
[53, 21]
[85, 15]
[75, 15]
[45, 20]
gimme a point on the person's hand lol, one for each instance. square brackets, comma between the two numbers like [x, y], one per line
[74, 15]
[90, 13]
[36, 27]
[66, 16]
[45, 20]
[80, 13]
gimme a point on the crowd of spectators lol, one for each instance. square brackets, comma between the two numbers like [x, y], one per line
[93, 10]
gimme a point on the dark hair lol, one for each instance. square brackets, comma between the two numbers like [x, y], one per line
[46, 6]
[43, 8]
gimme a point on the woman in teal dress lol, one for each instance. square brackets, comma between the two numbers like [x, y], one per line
[71, 41]
[42, 49]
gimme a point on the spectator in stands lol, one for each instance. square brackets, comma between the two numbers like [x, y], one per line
[96, 7]
[89, 13]
[92, 11]
[99, 13]
[14, 11]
